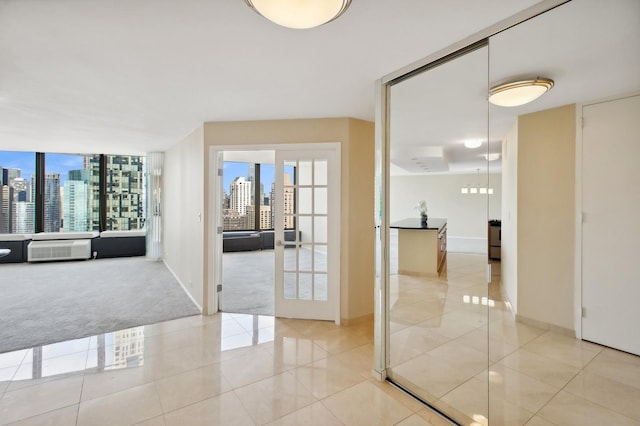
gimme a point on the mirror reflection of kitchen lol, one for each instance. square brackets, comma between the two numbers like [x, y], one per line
[438, 197]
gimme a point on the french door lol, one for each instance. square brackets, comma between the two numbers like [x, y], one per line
[307, 239]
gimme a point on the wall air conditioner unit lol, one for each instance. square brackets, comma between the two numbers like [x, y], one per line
[39, 251]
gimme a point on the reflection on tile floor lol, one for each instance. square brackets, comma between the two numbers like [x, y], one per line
[248, 370]
[226, 369]
[440, 350]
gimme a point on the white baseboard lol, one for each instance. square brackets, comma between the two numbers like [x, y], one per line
[467, 245]
[182, 285]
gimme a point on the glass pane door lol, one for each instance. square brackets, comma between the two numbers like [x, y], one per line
[306, 200]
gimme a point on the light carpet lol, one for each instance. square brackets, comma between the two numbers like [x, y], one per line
[42, 303]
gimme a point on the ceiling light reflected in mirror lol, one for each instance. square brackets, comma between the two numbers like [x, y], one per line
[473, 143]
[492, 157]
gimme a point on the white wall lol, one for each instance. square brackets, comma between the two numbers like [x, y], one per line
[466, 214]
[509, 249]
[183, 206]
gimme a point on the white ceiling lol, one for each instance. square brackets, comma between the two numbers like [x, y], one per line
[132, 76]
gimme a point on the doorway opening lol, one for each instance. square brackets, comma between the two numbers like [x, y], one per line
[247, 232]
[276, 240]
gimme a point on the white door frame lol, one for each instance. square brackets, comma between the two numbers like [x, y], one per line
[214, 263]
[215, 213]
[579, 207]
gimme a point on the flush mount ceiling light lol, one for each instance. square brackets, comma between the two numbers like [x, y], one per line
[472, 143]
[519, 92]
[299, 14]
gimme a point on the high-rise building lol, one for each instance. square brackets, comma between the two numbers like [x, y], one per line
[126, 192]
[79, 175]
[240, 195]
[13, 189]
[233, 221]
[76, 206]
[23, 217]
[5, 207]
[265, 217]
[21, 189]
[52, 202]
[251, 177]
[289, 202]
[91, 164]
[13, 174]
[76, 203]
[6, 193]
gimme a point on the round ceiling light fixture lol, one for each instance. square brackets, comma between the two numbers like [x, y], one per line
[519, 92]
[299, 14]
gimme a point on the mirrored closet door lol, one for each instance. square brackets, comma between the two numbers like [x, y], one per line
[569, 224]
[514, 301]
[438, 195]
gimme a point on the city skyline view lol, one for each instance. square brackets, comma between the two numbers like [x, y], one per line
[72, 200]
[240, 207]
[55, 163]
[232, 170]
[60, 163]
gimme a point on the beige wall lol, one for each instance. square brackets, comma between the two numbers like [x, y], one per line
[357, 189]
[545, 216]
[361, 187]
[183, 207]
[466, 213]
[509, 241]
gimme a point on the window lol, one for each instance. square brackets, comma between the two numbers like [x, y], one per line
[73, 189]
[241, 198]
[71, 193]
[126, 192]
[17, 192]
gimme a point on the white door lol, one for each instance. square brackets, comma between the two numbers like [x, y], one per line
[307, 239]
[611, 224]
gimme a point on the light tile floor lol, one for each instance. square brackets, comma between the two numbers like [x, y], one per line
[248, 369]
[440, 349]
[228, 369]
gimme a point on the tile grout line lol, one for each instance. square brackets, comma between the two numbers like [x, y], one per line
[82, 386]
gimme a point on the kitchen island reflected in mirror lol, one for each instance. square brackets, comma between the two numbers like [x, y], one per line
[422, 246]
